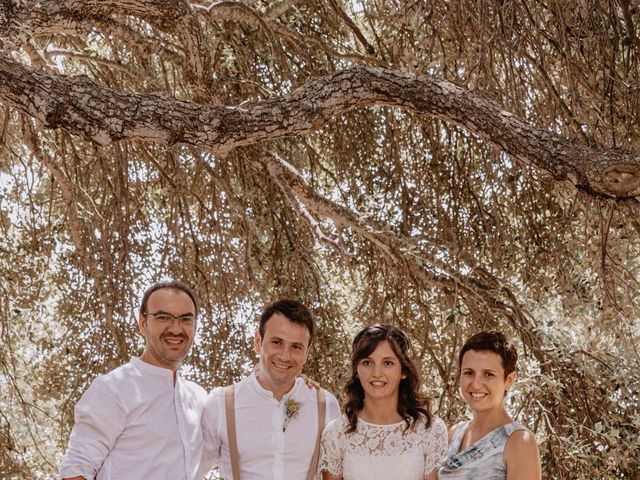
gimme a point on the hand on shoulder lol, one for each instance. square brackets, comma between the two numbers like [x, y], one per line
[309, 382]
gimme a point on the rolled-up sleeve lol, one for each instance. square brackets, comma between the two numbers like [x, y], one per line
[99, 420]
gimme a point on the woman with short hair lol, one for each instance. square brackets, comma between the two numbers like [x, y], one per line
[491, 446]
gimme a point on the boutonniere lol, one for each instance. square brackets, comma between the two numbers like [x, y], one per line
[291, 410]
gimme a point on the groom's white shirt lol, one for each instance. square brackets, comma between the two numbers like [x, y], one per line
[265, 451]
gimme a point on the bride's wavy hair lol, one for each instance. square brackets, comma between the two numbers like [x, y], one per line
[411, 402]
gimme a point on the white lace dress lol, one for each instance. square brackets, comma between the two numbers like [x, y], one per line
[374, 451]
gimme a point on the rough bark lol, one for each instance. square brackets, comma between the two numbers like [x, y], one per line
[102, 115]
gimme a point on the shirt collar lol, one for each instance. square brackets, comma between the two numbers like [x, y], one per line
[152, 369]
[263, 392]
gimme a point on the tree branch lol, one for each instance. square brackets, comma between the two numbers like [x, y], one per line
[103, 116]
[243, 14]
[79, 232]
[401, 250]
[352, 26]
[177, 17]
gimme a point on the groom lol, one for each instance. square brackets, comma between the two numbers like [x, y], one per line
[268, 425]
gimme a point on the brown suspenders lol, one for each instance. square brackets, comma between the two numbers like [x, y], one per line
[322, 410]
[230, 414]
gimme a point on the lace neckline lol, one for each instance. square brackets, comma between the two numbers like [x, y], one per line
[364, 423]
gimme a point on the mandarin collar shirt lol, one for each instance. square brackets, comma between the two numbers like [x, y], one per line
[265, 451]
[135, 423]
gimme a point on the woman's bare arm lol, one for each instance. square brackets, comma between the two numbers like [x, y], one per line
[521, 457]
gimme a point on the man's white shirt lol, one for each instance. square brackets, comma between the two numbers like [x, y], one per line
[134, 423]
[265, 450]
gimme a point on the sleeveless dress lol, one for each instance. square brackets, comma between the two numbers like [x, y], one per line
[483, 460]
[375, 452]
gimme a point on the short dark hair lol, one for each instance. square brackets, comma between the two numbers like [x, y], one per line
[411, 402]
[170, 284]
[495, 342]
[293, 310]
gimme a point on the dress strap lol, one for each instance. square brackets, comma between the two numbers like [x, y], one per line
[322, 410]
[509, 428]
[230, 412]
[458, 435]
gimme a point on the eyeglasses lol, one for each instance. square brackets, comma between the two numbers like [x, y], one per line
[167, 319]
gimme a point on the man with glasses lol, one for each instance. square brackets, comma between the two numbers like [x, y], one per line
[142, 420]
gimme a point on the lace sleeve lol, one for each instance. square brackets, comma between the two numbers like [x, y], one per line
[435, 445]
[331, 451]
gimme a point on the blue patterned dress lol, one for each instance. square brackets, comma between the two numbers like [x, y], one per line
[483, 460]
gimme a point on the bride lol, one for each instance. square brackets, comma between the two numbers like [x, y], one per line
[387, 430]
